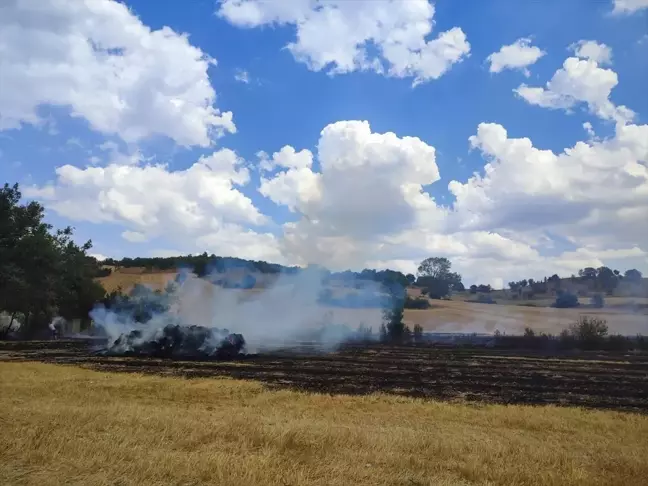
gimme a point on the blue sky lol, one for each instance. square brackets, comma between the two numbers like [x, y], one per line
[287, 102]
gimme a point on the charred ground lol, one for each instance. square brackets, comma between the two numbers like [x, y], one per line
[605, 380]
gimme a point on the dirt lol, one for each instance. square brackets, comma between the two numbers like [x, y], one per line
[603, 380]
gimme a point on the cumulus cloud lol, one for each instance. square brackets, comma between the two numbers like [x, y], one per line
[369, 187]
[196, 208]
[593, 193]
[518, 55]
[97, 59]
[366, 205]
[589, 49]
[629, 6]
[341, 36]
[580, 81]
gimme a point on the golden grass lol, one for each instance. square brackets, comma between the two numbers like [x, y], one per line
[66, 425]
[127, 280]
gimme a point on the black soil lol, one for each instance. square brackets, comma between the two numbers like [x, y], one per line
[604, 380]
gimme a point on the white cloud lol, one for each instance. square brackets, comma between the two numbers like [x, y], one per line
[242, 76]
[594, 193]
[369, 188]
[629, 6]
[366, 205]
[588, 49]
[197, 209]
[341, 36]
[518, 55]
[134, 236]
[579, 81]
[99, 60]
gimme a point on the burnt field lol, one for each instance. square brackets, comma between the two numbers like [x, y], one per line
[605, 380]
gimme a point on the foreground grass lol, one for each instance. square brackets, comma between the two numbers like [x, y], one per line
[66, 425]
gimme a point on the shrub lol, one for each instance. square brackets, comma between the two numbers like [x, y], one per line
[565, 300]
[418, 333]
[435, 288]
[485, 299]
[588, 332]
[597, 301]
[616, 342]
[417, 303]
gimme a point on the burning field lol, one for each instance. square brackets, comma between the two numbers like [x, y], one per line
[605, 380]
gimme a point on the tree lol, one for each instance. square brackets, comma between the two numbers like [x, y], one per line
[410, 279]
[531, 282]
[587, 273]
[435, 276]
[396, 330]
[43, 273]
[606, 280]
[633, 275]
[436, 267]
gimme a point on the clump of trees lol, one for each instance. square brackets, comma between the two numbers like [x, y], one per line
[481, 289]
[43, 272]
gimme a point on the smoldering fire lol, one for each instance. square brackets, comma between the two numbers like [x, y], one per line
[177, 341]
[191, 318]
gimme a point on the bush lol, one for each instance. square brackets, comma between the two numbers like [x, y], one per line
[418, 333]
[434, 287]
[485, 299]
[597, 301]
[566, 300]
[418, 303]
[588, 332]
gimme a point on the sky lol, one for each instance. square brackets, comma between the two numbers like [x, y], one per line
[509, 136]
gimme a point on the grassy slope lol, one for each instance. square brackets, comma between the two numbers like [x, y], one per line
[68, 425]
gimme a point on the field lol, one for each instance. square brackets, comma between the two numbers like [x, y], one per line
[63, 424]
[445, 315]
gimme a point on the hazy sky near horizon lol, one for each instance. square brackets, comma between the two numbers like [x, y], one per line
[509, 136]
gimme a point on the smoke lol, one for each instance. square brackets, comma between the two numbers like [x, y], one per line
[199, 317]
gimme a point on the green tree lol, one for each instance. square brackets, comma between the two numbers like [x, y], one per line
[396, 330]
[435, 276]
[435, 267]
[42, 273]
[633, 275]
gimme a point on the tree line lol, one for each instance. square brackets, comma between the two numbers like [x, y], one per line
[602, 279]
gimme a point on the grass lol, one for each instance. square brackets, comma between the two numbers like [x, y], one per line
[67, 425]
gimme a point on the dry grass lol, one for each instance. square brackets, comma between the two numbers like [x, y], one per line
[127, 278]
[66, 425]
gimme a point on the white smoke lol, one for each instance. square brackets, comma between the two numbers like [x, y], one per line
[284, 313]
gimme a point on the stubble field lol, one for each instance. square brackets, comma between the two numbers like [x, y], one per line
[63, 424]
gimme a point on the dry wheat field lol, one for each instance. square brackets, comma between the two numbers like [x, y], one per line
[369, 416]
